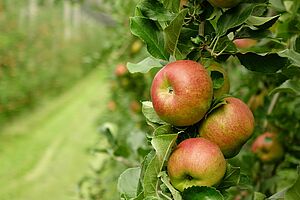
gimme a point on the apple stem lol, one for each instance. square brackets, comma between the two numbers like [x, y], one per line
[201, 28]
[167, 197]
[170, 90]
[215, 44]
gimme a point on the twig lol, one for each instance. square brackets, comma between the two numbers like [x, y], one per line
[270, 109]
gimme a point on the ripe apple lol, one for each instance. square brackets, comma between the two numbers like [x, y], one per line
[196, 162]
[182, 92]
[120, 70]
[229, 126]
[224, 3]
[135, 106]
[112, 105]
[224, 89]
[244, 43]
[267, 147]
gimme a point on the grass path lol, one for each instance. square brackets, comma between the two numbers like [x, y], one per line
[42, 154]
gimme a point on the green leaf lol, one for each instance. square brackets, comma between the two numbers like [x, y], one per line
[269, 63]
[203, 192]
[128, 182]
[292, 55]
[147, 160]
[293, 192]
[144, 66]
[289, 86]
[153, 9]
[217, 78]
[151, 180]
[259, 196]
[166, 180]
[172, 4]
[262, 22]
[110, 131]
[162, 130]
[172, 33]
[296, 44]
[278, 195]
[231, 177]
[150, 114]
[216, 104]
[163, 145]
[247, 32]
[234, 17]
[185, 44]
[148, 31]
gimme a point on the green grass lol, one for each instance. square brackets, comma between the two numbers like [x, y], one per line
[43, 152]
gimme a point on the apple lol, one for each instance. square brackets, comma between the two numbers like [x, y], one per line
[120, 70]
[224, 3]
[244, 43]
[112, 105]
[229, 126]
[182, 92]
[183, 3]
[268, 148]
[135, 106]
[196, 162]
[136, 46]
[224, 89]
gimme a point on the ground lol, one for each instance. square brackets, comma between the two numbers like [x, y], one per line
[43, 153]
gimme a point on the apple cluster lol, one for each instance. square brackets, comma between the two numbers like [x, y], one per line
[182, 94]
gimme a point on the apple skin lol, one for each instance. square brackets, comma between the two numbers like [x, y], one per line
[244, 43]
[183, 3]
[120, 70]
[226, 85]
[182, 92]
[196, 162]
[229, 126]
[224, 3]
[268, 148]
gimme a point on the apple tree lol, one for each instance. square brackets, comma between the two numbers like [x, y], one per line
[210, 33]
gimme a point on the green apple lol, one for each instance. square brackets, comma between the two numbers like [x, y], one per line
[216, 69]
[224, 3]
[196, 162]
[182, 92]
[229, 126]
[244, 43]
[268, 148]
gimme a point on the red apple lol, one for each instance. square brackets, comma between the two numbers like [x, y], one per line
[244, 43]
[268, 148]
[182, 92]
[229, 126]
[120, 70]
[224, 3]
[196, 162]
[112, 105]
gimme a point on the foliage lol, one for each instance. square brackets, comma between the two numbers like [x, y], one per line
[201, 32]
[36, 59]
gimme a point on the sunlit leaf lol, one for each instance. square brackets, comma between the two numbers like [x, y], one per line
[150, 114]
[144, 66]
[128, 182]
